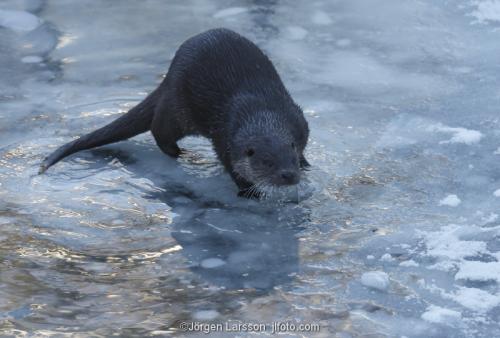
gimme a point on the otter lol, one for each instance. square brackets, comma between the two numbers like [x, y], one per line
[219, 85]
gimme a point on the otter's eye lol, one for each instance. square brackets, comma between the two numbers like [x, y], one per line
[293, 145]
[249, 152]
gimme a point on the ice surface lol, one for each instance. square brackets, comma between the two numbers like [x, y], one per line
[32, 59]
[321, 18]
[205, 315]
[18, 20]
[210, 263]
[295, 33]
[402, 98]
[230, 12]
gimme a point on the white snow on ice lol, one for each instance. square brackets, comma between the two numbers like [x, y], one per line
[373, 79]
[451, 243]
[479, 271]
[459, 135]
[450, 200]
[487, 10]
[474, 299]
[408, 130]
[485, 219]
[454, 247]
[378, 280]
[386, 258]
[437, 314]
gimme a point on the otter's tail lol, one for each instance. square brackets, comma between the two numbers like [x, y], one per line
[135, 121]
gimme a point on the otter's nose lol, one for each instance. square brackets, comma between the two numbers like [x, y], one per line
[289, 177]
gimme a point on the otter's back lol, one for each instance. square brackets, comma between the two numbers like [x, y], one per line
[210, 68]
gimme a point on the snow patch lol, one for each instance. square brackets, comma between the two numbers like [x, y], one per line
[459, 135]
[497, 193]
[488, 10]
[451, 245]
[474, 299]
[406, 130]
[479, 271]
[440, 315]
[386, 258]
[378, 280]
[450, 200]
[19, 21]
[492, 217]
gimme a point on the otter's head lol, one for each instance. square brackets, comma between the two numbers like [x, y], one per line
[266, 160]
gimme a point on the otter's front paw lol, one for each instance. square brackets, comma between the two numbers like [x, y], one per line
[304, 164]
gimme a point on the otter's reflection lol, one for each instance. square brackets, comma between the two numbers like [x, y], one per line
[232, 243]
[239, 249]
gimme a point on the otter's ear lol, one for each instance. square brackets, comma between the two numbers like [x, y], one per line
[303, 162]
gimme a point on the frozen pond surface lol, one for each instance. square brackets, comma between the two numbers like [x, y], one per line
[397, 230]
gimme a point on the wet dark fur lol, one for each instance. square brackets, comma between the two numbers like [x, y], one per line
[221, 86]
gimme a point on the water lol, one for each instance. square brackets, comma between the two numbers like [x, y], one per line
[403, 104]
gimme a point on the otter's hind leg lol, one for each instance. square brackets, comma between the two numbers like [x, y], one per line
[167, 131]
